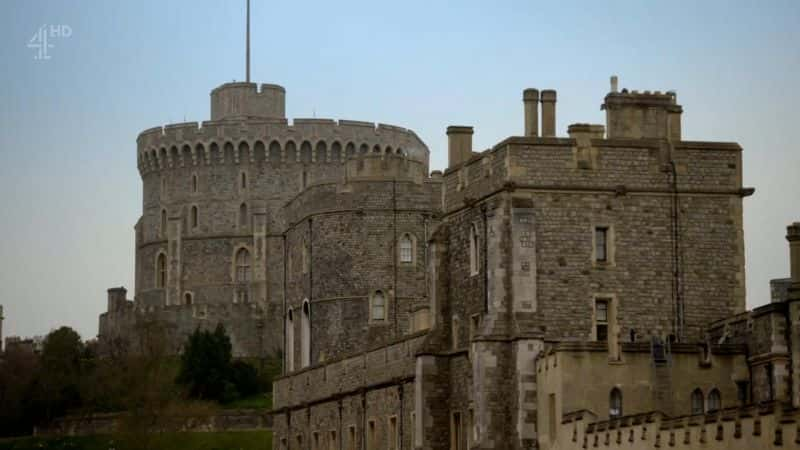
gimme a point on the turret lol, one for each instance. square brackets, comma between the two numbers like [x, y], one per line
[635, 115]
[241, 101]
[116, 298]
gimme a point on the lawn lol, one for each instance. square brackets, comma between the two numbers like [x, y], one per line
[258, 401]
[229, 440]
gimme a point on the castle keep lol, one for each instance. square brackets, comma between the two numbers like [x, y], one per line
[236, 209]
[551, 292]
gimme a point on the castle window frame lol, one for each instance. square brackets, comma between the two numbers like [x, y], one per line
[315, 441]
[603, 245]
[455, 329]
[332, 444]
[243, 263]
[161, 270]
[243, 181]
[698, 402]
[243, 216]
[714, 400]
[194, 183]
[474, 250]
[474, 325]
[456, 431]
[188, 298]
[372, 435]
[393, 438]
[289, 337]
[163, 224]
[405, 249]
[352, 440]
[602, 306]
[195, 217]
[378, 307]
[305, 334]
[615, 403]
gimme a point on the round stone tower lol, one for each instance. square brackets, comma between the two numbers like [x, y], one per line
[211, 240]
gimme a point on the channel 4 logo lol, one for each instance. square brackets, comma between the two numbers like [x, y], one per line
[42, 39]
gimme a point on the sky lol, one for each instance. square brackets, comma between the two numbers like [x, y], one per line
[71, 192]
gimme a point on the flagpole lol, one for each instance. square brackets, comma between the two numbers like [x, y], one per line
[247, 75]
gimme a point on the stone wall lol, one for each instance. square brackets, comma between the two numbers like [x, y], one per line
[109, 423]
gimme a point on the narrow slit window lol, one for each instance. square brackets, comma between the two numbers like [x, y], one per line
[195, 218]
[243, 215]
[161, 267]
[601, 244]
[601, 320]
[243, 180]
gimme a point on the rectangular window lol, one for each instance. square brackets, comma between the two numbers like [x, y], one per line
[456, 432]
[742, 391]
[332, 441]
[315, 441]
[351, 441]
[601, 319]
[392, 444]
[371, 436]
[601, 244]
[474, 324]
[378, 306]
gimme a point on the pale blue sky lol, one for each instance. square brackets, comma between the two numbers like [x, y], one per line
[68, 125]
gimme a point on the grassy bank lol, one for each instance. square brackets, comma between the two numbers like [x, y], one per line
[230, 440]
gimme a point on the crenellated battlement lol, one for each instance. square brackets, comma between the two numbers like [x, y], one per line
[273, 140]
[752, 426]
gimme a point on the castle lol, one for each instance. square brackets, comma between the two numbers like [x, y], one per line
[550, 292]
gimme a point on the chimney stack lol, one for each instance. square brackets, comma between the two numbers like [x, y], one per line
[548, 113]
[530, 98]
[459, 144]
[614, 84]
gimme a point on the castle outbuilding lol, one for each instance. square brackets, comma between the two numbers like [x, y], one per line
[583, 291]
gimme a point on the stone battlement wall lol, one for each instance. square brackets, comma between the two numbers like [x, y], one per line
[383, 365]
[273, 140]
[752, 427]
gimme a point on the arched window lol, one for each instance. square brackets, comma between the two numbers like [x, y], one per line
[163, 228]
[714, 400]
[406, 249]
[187, 298]
[289, 341]
[161, 270]
[242, 266]
[474, 261]
[243, 215]
[378, 307]
[305, 335]
[195, 220]
[698, 401]
[615, 403]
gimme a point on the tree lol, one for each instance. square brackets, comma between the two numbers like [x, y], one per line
[57, 388]
[209, 373]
